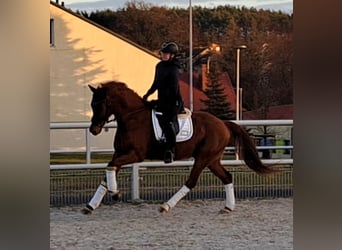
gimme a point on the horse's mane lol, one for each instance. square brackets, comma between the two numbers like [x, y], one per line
[118, 86]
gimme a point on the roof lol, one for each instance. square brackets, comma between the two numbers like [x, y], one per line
[274, 113]
[198, 93]
[103, 28]
[197, 96]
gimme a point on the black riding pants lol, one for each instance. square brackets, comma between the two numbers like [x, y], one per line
[169, 125]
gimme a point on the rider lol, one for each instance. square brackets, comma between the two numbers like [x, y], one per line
[169, 98]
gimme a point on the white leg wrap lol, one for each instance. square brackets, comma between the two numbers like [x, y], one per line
[230, 197]
[98, 196]
[178, 196]
[111, 180]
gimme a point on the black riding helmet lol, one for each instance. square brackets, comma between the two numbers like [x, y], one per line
[169, 47]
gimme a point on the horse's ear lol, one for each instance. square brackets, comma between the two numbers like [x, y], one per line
[92, 88]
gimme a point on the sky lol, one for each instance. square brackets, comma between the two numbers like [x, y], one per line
[92, 5]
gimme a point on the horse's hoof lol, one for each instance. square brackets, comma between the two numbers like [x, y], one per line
[86, 211]
[116, 196]
[226, 210]
[164, 208]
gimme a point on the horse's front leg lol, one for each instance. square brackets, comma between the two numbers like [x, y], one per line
[110, 183]
[110, 180]
[96, 199]
[115, 165]
[112, 171]
[128, 157]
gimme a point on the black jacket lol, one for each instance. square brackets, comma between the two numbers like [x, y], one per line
[167, 83]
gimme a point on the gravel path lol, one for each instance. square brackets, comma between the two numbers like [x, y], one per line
[255, 224]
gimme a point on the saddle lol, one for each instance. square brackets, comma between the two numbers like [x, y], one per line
[185, 126]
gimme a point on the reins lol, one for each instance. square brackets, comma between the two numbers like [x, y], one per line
[134, 112]
[128, 114]
[124, 116]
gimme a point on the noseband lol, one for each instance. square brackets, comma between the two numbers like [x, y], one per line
[107, 104]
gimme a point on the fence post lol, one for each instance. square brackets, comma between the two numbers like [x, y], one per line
[87, 134]
[135, 182]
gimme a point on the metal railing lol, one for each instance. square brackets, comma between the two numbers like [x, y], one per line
[88, 150]
[154, 180]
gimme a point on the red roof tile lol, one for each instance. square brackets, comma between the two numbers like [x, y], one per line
[276, 112]
[199, 95]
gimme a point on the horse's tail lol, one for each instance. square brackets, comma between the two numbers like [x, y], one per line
[246, 149]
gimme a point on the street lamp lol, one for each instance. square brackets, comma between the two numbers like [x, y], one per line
[238, 48]
[213, 49]
[191, 101]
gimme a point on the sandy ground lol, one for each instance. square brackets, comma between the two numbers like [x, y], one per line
[255, 224]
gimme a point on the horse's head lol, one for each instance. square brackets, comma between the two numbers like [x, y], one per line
[113, 98]
[101, 109]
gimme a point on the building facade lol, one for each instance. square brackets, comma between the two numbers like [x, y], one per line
[82, 53]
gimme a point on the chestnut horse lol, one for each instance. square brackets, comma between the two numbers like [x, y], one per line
[135, 141]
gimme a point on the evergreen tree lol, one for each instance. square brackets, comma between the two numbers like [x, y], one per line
[217, 101]
[228, 26]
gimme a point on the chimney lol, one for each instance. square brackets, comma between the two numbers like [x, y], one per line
[62, 4]
[57, 1]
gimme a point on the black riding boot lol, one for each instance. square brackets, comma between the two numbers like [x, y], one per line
[169, 156]
[170, 137]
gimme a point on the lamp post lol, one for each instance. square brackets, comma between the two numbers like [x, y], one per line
[238, 48]
[213, 49]
[191, 102]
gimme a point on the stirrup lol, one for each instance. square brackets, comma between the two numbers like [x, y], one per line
[168, 156]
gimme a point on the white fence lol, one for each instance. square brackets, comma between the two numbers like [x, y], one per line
[88, 150]
[139, 179]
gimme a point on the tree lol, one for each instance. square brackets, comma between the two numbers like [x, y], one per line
[217, 101]
[265, 74]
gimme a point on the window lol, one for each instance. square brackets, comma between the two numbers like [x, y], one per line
[52, 32]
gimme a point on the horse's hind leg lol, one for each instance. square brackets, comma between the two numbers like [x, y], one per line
[185, 189]
[217, 169]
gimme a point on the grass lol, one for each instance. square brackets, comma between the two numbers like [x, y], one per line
[80, 158]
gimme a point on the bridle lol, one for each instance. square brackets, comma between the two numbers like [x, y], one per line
[107, 114]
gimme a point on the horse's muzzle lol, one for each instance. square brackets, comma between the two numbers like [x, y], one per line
[94, 129]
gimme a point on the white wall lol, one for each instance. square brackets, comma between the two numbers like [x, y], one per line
[84, 54]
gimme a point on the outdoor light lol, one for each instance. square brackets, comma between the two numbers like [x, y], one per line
[215, 47]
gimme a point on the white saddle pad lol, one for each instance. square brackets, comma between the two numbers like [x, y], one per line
[185, 126]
